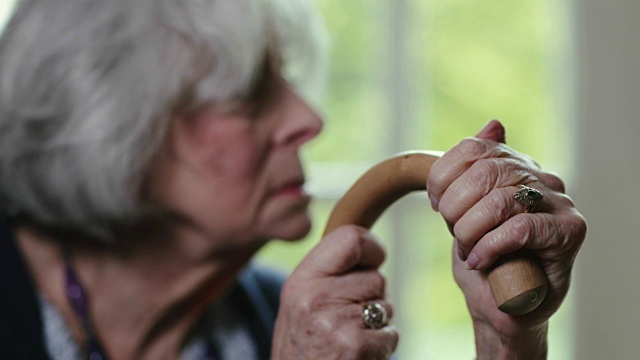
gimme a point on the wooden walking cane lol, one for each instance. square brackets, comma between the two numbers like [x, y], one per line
[517, 281]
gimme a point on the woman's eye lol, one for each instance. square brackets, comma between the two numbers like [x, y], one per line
[267, 87]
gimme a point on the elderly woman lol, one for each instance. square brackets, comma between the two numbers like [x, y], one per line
[149, 148]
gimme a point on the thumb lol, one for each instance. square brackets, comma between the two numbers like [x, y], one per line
[341, 251]
[493, 131]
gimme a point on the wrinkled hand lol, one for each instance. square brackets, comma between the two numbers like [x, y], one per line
[320, 315]
[472, 186]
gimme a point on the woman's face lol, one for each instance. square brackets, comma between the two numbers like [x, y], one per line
[235, 176]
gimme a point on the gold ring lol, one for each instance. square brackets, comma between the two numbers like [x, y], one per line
[528, 197]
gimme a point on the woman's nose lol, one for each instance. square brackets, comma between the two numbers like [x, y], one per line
[299, 122]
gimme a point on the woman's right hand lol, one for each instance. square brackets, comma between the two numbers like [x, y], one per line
[320, 315]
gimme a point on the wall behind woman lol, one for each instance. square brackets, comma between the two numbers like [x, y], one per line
[607, 286]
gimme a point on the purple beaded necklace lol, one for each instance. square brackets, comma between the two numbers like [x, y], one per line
[80, 304]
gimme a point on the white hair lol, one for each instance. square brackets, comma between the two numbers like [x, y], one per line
[88, 88]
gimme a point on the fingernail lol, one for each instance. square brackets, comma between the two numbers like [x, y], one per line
[472, 262]
[434, 202]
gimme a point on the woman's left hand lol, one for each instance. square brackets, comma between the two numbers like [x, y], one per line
[472, 186]
[321, 303]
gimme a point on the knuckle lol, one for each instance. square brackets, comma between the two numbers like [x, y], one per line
[554, 182]
[482, 173]
[351, 234]
[378, 281]
[372, 279]
[315, 308]
[578, 226]
[565, 200]
[353, 239]
[435, 178]
[373, 284]
[300, 298]
[472, 147]
[305, 304]
[449, 212]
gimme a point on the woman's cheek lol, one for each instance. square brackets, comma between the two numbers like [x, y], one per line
[229, 148]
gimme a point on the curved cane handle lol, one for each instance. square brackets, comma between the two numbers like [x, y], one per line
[517, 281]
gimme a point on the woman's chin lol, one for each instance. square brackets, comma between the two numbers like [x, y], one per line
[292, 229]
